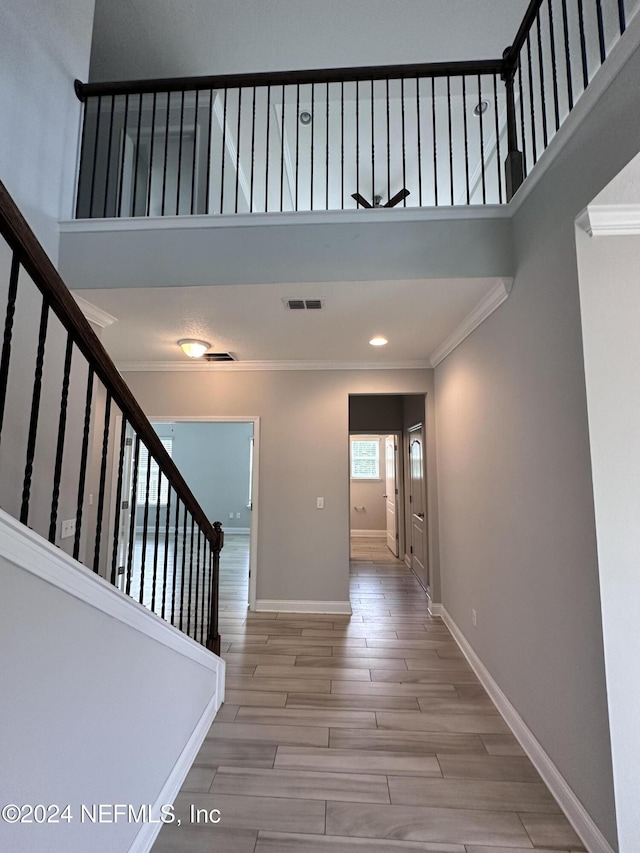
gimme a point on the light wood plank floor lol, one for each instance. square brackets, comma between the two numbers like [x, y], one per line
[363, 733]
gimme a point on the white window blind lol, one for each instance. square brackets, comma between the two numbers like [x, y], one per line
[155, 483]
[365, 460]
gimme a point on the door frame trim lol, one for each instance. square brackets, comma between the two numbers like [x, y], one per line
[421, 425]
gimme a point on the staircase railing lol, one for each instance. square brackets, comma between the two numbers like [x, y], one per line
[333, 139]
[79, 461]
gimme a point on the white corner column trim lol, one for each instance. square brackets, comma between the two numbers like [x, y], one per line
[487, 305]
[591, 837]
[268, 605]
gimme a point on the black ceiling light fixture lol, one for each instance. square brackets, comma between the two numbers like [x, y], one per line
[377, 199]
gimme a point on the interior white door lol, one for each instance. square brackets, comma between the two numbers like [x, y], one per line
[417, 500]
[391, 492]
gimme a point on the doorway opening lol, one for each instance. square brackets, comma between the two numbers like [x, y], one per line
[218, 459]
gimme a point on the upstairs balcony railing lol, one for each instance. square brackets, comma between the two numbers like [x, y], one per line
[415, 135]
[80, 463]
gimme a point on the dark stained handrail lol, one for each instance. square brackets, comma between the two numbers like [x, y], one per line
[279, 78]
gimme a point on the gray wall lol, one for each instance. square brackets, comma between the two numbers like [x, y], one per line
[213, 458]
[517, 536]
[302, 552]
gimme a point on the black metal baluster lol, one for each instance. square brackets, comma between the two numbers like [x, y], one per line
[238, 146]
[224, 150]
[8, 333]
[418, 122]
[326, 165]
[373, 148]
[132, 514]
[83, 463]
[184, 560]
[621, 16]
[209, 588]
[481, 120]
[583, 45]
[312, 129]
[450, 137]
[180, 147]
[118, 506]
[152, 144]
[543, 99]
[108, 167]
[83, 157]
[466, 137]
[342, 145]
[567, 52]
[156, 543]
[357, 139]
[145, 529]
[195, 139]
[284, 100]
[197, 590]
[253, 149]
[297, 174]
[522, 124]
[190, 577]
[95, 155]
[124, 150]
[603, 52]
[532, 106]
[165, 567]
[388, 143]
[404, 150]
[33, 419]
[554, 69]
[166, 154]
[207, 191]
[103, 480]
[435, 137]
[268, 136]
[174, 580]
[497, 132]
[137, 158]
[62, 423]
[203, 597]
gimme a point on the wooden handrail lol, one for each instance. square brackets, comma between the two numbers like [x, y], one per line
[36, 262]
[281, 78]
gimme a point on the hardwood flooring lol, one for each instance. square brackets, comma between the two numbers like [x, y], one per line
[364, 733]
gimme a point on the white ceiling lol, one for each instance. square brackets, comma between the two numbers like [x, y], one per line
[165, 38]
[251, 322]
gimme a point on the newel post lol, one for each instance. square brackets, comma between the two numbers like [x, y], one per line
[217, 543]
[514, 166]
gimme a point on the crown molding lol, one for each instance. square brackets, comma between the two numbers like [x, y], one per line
[93, 313]
[487, 305]
[610, 220]
[235, 366]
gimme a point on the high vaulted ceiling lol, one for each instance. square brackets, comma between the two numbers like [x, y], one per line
[166, 38]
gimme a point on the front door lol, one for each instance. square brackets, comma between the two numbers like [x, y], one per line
[391, 492]
[417, 500]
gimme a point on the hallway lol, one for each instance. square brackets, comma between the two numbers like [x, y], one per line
[360, 733]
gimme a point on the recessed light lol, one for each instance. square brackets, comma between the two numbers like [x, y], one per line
[378, 341]
[481, 108]
[193, 348]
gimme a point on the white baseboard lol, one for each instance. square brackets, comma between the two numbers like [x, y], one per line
[577, 815]
[369, 534]
[407, 561]
[145, 839]
[239, 530]
[288, 606]
[435, 609]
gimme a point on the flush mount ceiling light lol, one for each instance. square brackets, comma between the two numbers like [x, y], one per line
[305, 117]
[481, 108]
[378, 341]
[193, 348]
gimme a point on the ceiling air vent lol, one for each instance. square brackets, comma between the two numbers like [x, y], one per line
[218, 356]
[303, 304]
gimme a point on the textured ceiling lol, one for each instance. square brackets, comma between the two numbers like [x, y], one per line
[164, 38]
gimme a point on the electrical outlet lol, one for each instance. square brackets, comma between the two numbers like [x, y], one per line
[319, 503]
[230, 515]
[68, 528]
[237, 515]
[474, 618]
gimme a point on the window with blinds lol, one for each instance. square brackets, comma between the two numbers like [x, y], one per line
[158, 486]
[365, 459]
